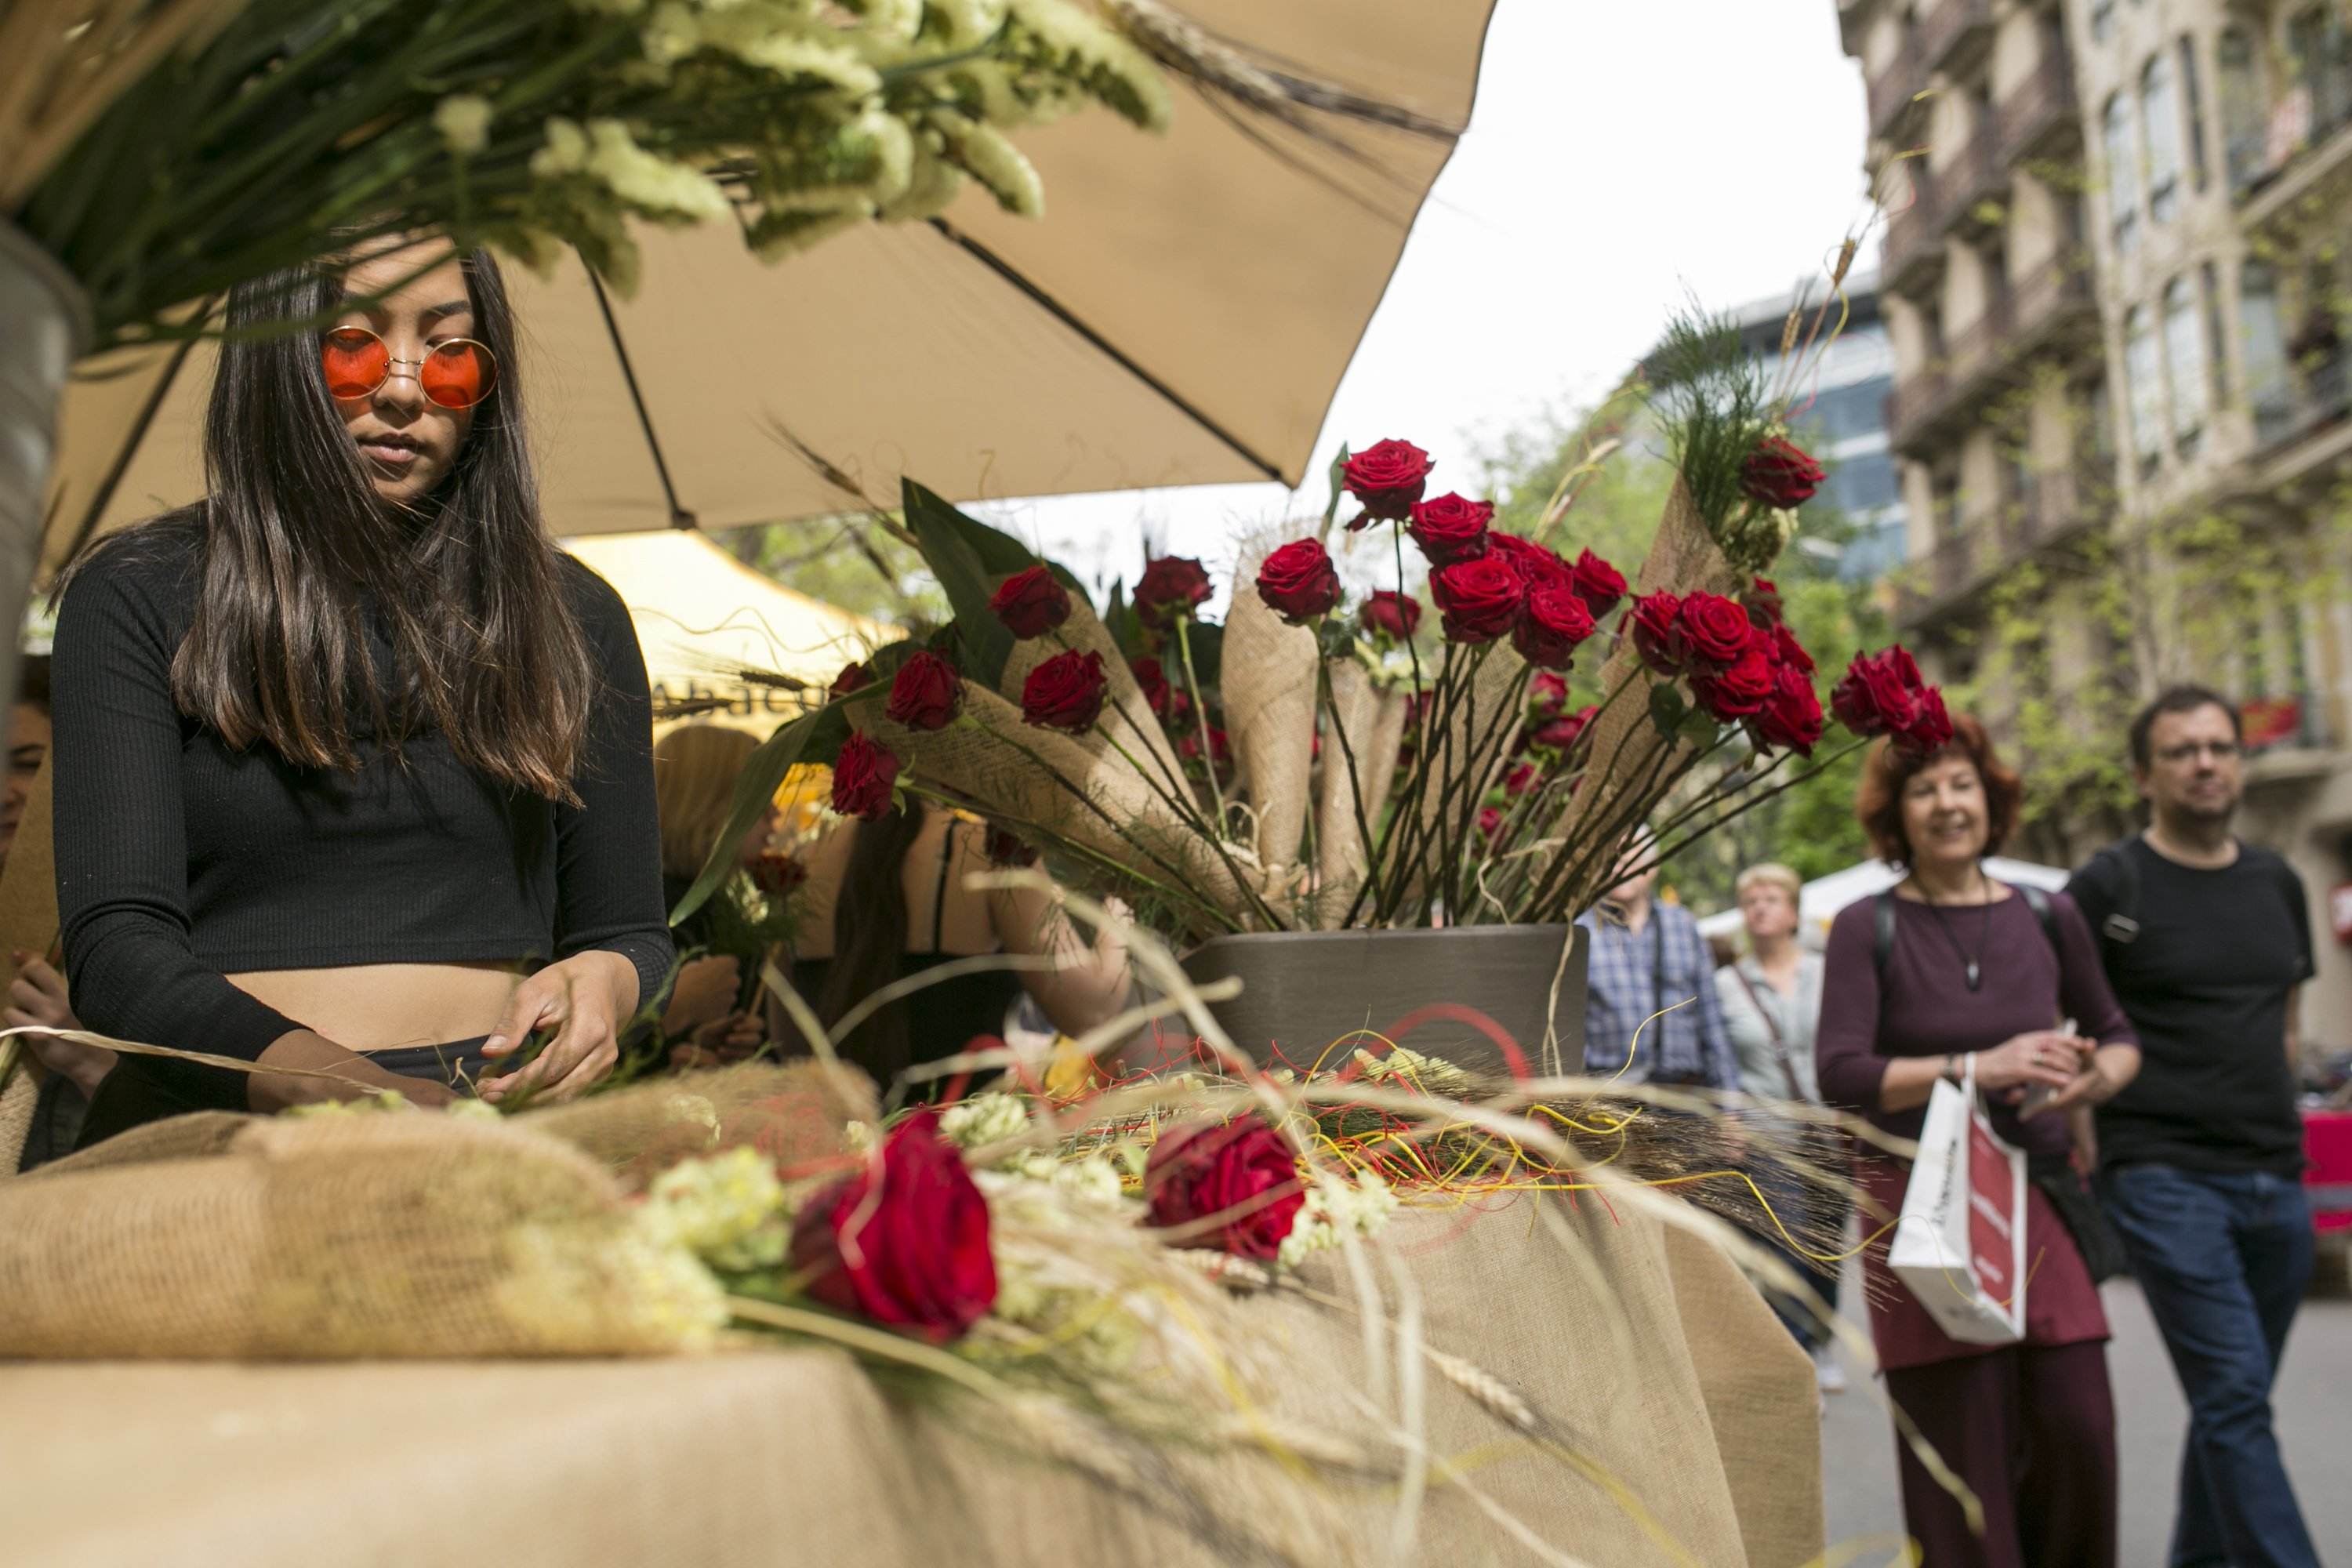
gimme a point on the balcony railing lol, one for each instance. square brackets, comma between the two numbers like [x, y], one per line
[1915, 233]
[2302, 128]
[2318, 396]
[2053, 505]
[1954, 32]
[2051, 298]
[1972, 182]
[2040, 114]
[1895, 90]
[2050, 307]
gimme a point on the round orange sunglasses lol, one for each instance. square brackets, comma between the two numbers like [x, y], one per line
[457, 374]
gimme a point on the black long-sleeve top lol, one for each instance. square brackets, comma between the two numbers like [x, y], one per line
[182, 859]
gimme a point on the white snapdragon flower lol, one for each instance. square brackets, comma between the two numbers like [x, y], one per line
[463, 119]
[670, 34]
[726, 1209]
[998, 164]
[984, 1119]
[565, 151]
[648, 181]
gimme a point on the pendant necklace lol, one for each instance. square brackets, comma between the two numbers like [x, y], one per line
[1971, 964]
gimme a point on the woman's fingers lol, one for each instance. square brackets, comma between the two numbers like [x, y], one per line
[527, 1009]
[586, 1074]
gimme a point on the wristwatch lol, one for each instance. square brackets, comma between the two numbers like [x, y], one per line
[1952, 1066]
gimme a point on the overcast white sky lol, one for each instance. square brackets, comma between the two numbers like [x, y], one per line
[1621, 156]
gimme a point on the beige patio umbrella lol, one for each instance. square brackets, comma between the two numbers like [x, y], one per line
[1180, 315]
[702, 618]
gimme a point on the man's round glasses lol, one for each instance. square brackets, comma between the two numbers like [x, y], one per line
[458, 373]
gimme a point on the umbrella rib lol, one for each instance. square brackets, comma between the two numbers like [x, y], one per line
[1110, 351]
[679, 516]
[103, 496]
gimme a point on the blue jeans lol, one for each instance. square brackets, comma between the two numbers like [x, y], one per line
[2223, 1260]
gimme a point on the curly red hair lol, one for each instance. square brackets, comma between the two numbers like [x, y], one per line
[1878, 803]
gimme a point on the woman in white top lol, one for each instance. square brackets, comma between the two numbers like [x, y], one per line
[1771, 1001]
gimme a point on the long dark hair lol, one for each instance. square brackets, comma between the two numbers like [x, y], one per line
[299, 552]
[869, 939]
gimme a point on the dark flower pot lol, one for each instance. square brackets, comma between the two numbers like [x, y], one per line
[1304, 991]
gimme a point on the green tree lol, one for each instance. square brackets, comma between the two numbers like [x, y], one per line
[855, 562]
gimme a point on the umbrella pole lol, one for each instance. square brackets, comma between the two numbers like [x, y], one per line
[43, 328]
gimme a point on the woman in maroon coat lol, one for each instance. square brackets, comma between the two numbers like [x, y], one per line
[1973, 972]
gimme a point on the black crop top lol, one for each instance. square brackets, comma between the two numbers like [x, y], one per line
[181, 860]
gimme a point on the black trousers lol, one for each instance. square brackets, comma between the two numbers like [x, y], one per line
[145, 1088]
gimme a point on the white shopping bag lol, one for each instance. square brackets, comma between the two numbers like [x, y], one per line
[1959, 1246]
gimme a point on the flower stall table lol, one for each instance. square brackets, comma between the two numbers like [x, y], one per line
[1667, 1371]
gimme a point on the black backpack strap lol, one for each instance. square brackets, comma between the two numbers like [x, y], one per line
[1881, 915]
[2045, 913]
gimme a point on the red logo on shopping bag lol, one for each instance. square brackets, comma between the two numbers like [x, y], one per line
[1992, 1219]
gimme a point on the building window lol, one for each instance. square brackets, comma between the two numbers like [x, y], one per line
[2320, 47]
[2192, 99]
[2217, 341]
[2103, 20]
[2143, 365]
[2161, 136]
[2242, 106]
[2263, 340]
[2184, 348]
[2123, 174]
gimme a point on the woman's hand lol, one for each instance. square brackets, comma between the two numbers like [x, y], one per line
[2041, 1056]
[354, 1074]
[36, 999]
[733, 1038]
[705, 990]
[2106, 1071]
[585, 999]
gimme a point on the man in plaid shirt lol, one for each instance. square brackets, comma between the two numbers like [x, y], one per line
[1646, 957]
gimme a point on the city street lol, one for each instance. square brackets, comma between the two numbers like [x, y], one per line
[2315, 1423]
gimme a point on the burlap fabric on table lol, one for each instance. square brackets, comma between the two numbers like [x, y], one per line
[1672, 1379]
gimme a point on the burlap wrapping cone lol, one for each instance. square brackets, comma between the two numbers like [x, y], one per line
[1625, 746]
[1480, 730]
[1127, 717]
[1342, 854]
[378, 1234]
[1268, 684]
[198, 1135]
[19, 1096]
[793, 1112]
[995, 764]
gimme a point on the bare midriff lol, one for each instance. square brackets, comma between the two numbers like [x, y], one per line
[385, 1006]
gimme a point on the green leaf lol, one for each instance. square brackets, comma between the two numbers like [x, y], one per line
[969, 559]
[1338, 477]
[1667, 709]
[1126, 627]
[811, 737]
[1208, 640]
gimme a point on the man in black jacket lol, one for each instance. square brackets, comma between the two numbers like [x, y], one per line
[2206, 941]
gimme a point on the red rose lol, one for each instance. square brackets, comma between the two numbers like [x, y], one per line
[1531, 560]
[1763, 602]
[1388, 477]
[1240, 1176]
[1599, 583]
[1170, 586]
[1490, 821]
[1478, 600]
[1786, 651]
[1548, 692]
[1392, 615]
[1521, 780]
[1658, 632]
[1560, 734]
[906, 1246]
[1715, 631]
[1740, 690]
[1188, 747]
[854, 677]
[1449, 528]
[1152, 676]
[1551, 623]
[1780, 474]
[925, 694]
[1879, 693]
[1791, 716]
[777, 874]
[862, 776]
[1297, 581]
[1930, 730]
[1031, 602]
[1066, 692]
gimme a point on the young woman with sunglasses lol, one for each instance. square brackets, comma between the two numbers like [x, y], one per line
[353, 767]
